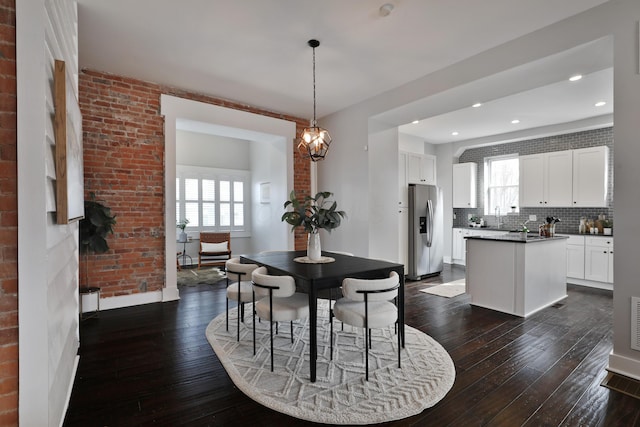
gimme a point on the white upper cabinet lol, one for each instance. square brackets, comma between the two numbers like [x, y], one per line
[531, 180]
[590, 176]
[421, 169]
[464, 185]
[570, 178]
[546, 179]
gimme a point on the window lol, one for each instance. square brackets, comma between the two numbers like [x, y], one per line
[501, 183]
[212, 199]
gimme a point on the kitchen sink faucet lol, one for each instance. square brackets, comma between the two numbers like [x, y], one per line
[497, 213]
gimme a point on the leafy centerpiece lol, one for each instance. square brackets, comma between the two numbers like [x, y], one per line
[313, 214]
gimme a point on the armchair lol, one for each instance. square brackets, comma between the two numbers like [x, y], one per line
[215, 249]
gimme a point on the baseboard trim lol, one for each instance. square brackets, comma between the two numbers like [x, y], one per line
[170, 294]
[130, 300]
[624, 366]
[590, 283]
[74, 371]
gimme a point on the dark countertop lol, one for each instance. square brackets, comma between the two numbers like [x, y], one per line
[518, 238]
[511, 231]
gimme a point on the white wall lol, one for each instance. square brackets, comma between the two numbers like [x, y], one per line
[383, 207]
[626, 177]
[411, 143]
[345, 172]
[47, 252]
[345, 167]
[268, 166]
[212, 151]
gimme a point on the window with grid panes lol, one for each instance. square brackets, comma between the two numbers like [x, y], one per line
[212, 199]
[502, 176]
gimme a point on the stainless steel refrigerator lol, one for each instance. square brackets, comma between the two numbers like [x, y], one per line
[425, 231]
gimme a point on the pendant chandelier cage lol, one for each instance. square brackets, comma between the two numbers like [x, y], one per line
[314, 140]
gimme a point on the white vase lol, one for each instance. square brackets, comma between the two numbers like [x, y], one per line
[314, 252]
[182, 237]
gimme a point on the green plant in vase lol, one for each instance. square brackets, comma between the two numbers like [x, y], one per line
[182, 224]
[312, 214]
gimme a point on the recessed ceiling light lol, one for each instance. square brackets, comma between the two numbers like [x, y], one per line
[415, 122]
[515, 121]
[575, 78]
[477, 104]
[455, 133]
[600, 103]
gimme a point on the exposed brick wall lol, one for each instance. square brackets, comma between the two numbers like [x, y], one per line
[124, 167]
[8, 218]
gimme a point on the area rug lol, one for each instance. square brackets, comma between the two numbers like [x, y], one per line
[193, 276]
[449, 290]
[340, 395]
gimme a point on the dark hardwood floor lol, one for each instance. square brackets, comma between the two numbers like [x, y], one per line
[152, 365]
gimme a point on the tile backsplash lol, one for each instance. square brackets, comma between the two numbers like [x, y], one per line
[570, 217]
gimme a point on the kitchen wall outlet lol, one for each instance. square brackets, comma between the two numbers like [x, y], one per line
[455, 216]
[533, 218]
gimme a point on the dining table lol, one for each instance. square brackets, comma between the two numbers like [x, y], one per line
[312, 277]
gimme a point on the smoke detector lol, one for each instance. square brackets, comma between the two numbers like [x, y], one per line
[386, 9]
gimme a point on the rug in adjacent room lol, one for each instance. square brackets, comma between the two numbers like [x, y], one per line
[448, 290]
[194, 276]
[340, 395]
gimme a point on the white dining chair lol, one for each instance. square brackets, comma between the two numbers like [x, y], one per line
[279, 302]
[367, 304]
[240, 290]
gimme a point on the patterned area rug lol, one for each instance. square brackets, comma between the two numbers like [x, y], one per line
[448, 290]
[340, 395]
[193, 276]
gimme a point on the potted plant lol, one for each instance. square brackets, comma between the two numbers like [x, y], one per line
[607, 227]
[313, 214]
[94, 228]
[182, 224]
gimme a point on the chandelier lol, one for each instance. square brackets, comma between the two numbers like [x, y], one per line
[314, 141]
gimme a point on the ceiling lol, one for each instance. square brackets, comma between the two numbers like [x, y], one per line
[255, 52]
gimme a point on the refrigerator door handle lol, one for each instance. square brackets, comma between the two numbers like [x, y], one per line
[429, 222]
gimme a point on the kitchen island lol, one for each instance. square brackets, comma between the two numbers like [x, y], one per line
[516, 273]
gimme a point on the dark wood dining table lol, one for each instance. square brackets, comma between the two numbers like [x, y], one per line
[313, 278]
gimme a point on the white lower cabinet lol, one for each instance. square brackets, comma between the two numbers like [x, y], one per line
[598, 259]
[575, 257]
[459, 245]
[590, 261]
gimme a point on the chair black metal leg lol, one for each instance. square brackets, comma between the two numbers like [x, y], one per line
[331, 334]
[227, 314]
[238, 331]
[254, 323]
[367, 336]
[271, 323]
[398, 350]
[366, 353]
[291, 331]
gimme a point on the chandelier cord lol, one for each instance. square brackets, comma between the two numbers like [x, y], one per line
[314, 86]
